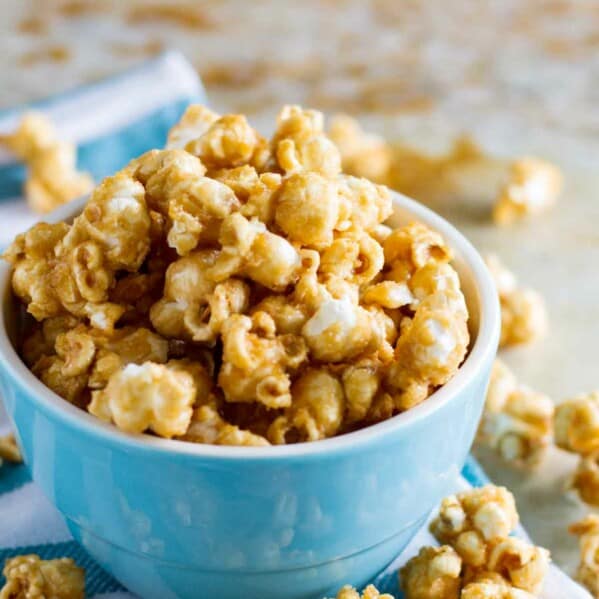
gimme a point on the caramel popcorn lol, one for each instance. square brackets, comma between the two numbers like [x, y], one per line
[151, 396]
[523, 312]
[53, 178]
[523, 565]
[577, 424]
[532, 187]
[29, 577]
[370, 592]
[315, 410]
[238, 291]
[517, 422]
[588, 569]
[9, 450]
[473, 520]
[257, 363]
[489, 585]
[585, 479]
[433, 574]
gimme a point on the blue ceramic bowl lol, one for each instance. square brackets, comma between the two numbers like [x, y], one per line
[171, 519]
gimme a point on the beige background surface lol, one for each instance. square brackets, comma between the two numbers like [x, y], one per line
[520, 77]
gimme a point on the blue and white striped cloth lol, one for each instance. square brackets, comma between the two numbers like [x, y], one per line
[112, 122]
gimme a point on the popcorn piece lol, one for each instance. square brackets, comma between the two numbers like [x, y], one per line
[588, 569]
[316, 411]
[9, 450]
[364, 205]
[523, 565]
[288, 315]
[362, 154]
[151, 396]
[428, 353]
[433, 574]
[29, 577]
[361, 383]
[412, 247]
[489, 585]
[533, 186]
[193, 204]
[370, 592]
[354, 258]
[230, 142]
[523, 312]
[196, 209]
[341, 330]
[257, 192]
[49, 369]
[33, 260]
[194, 306]
[257, 362]
[301, 146]
[53, 179]
[473, 520]
[517, 422]
[208, 426]
[586, 478]
[577, 424]
[308, 209]
[196, 120]
[249, 248]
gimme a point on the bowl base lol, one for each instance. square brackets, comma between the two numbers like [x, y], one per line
[151, 578]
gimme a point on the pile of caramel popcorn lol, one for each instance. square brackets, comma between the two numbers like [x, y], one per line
[29, 577]
[235, 290]
[479, 559]
[53, 178]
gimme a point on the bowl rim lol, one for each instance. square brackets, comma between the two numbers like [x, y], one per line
[485, 344]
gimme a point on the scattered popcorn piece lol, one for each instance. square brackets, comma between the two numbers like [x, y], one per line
[588, 569]
[523, 565]
[151, 396]
[533, 186]
[490, 585]
[370, 592]
[53, 178]
[523, 312]
[472, 520]
[433, 574]
[9, 450]
[517, 422]
[29, 577]
[577, 424]
[585, 479]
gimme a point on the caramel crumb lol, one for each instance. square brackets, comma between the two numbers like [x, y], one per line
[186, 16]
